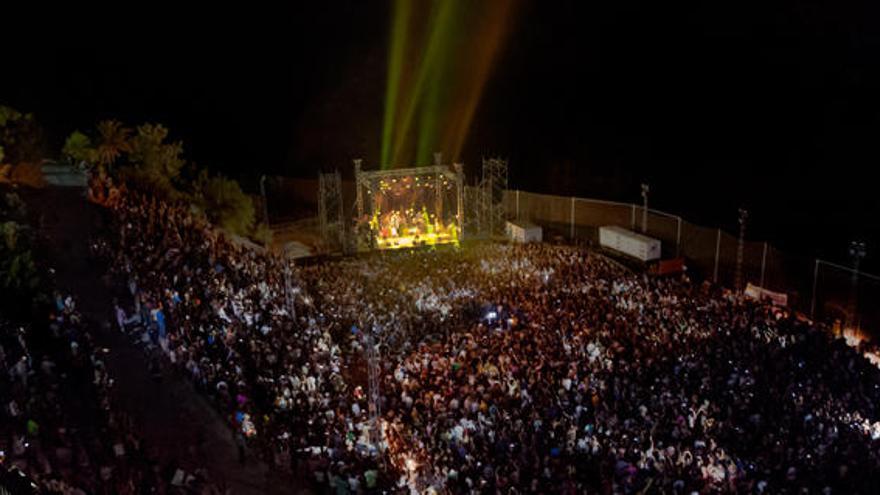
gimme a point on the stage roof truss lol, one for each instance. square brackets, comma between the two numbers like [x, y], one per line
[366, 178]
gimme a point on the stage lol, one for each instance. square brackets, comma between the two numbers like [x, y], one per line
[415, 239]
[408, 207]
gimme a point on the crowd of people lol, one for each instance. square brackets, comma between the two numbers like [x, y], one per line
[503, 368]
[59, 423]
[606, 381]
[220, 312]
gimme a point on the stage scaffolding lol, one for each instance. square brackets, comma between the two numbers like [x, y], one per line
[491, 213]
[330, 215]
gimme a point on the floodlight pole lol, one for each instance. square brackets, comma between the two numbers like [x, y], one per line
[678, 237]
[857, 250]
[763, 263]
[717, 253]
[740, 246]
[265, 200]
[813, 299]
[645, 190]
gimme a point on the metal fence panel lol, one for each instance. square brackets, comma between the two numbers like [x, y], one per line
[845, 298]
[552, 213]
[510, 204]
[727, 259]
[544, 208]
[661, 226]
[698, 245]
[774, 272]
[589, 215]
[751, 265]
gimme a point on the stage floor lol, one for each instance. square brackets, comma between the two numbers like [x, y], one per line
[411, 241]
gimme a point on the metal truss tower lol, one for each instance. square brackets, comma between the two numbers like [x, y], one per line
[491, 213]
[330, 215]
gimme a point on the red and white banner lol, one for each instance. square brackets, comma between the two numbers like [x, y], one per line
[762, 294]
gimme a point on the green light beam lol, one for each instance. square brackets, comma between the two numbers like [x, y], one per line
[397, 46]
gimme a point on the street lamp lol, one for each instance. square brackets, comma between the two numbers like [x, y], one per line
[857, 251]
[740, 247]
[645, 190]
[265, 200]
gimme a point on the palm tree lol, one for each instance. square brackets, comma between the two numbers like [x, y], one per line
[113, 141]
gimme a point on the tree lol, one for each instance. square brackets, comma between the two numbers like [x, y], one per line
[224, 203]
[8, 114]
[21, 137]
[150, 151]
[20, 281]
[157, 163]
[114, 140]
[78, 148]
[13, 208]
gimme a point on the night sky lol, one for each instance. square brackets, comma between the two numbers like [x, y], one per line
[717, 105]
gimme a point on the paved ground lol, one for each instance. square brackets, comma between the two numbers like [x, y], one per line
[173, 418]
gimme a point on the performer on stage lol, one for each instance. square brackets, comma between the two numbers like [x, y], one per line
[394, 222]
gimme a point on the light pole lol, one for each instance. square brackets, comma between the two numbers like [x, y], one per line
[857, 250]
[740, 247]
[645, 190]
[265, 200]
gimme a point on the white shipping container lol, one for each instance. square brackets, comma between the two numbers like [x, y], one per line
[523, 231]
[630, 243]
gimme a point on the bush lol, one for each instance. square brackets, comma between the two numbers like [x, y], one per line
[155, 164]
[224, 203]
[143, 180]
[78, 149]
[20, 279]
[151, 164]
[13, 208]
[21, 137]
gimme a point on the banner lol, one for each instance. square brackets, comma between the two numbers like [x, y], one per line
[762, 294]
[667, 267]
